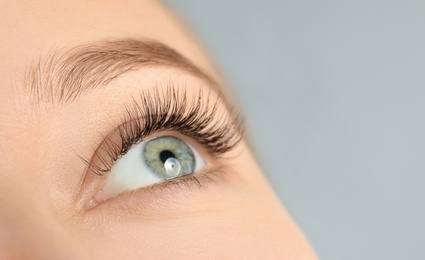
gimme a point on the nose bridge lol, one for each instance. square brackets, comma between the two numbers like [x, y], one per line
[21, 224]
[29, 225]
[29, 231]
[29, 228]
[20, 240]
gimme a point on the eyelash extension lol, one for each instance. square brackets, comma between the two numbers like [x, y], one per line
[207, 119]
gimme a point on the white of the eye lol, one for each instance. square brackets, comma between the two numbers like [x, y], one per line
[199, 161]
[130, 172]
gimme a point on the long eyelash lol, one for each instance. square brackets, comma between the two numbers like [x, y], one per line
[203, 117]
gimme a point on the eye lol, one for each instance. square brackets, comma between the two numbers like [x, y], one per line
[152, 161]
[164, 136]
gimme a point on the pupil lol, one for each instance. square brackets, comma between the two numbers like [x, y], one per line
[164, 155]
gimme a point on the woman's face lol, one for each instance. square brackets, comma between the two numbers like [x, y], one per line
[115, 146]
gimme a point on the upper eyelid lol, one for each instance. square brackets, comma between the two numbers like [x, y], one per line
[158, 104]
[62, 76]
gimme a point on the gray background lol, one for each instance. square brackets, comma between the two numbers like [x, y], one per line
[334, 95]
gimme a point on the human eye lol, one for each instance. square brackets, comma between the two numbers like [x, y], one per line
[169, 136]
[161, 158]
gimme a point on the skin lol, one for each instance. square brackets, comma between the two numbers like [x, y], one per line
[43, 186]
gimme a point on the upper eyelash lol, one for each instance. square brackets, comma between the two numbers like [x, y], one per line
[215, 126]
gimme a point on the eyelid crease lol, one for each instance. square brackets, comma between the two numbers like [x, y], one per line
[202, 117]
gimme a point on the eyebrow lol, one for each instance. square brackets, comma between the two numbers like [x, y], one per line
[62, 76]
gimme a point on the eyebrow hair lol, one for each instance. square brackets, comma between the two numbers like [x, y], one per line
[62, 76]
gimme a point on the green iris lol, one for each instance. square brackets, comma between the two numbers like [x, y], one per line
[168, 157]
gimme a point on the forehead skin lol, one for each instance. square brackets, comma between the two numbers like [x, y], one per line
[244, 220]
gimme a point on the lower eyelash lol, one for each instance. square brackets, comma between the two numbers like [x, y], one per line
[188, 181]
[203, 117]
[145, 196]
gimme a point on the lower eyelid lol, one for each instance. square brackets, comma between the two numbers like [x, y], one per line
[171, 192]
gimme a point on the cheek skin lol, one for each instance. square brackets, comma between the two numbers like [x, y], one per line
[238, 216]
